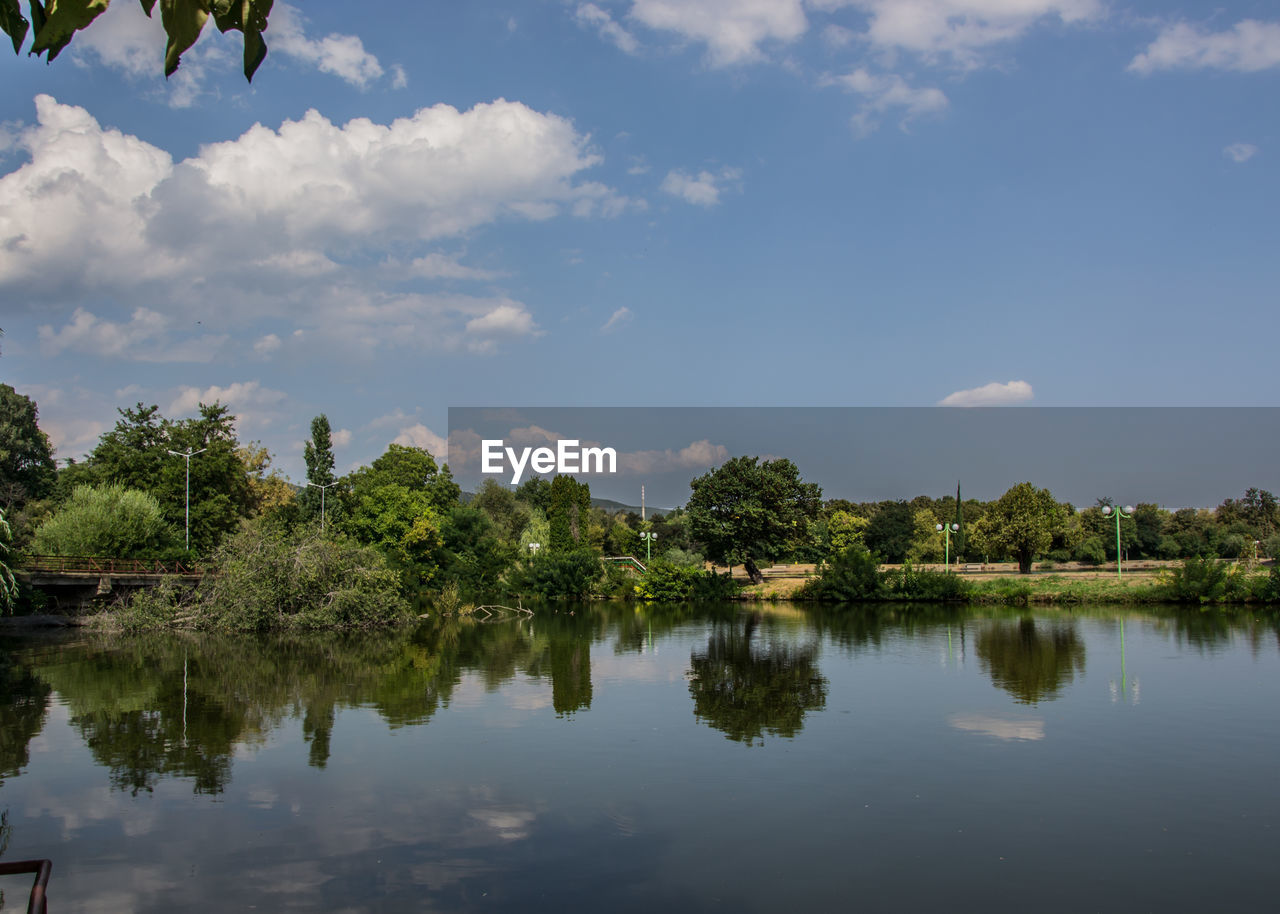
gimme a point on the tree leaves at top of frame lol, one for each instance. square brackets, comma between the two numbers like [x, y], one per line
[13, 23]
[54, 22]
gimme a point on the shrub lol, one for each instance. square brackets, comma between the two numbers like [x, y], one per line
[907, 583]
[268, 579]
[557, 575]
[668, 582]
[1197, 580]
[107, 520]
[854, 574]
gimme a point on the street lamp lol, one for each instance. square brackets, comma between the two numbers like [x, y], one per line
[534, 547]
[1126, 512]
[322, 488]
[648, 543]
[948, 529]
[187, 456]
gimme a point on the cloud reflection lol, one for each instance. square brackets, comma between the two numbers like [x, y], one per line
[999, 727]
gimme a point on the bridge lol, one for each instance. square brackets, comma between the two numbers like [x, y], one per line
[627, 561]
[76, 580]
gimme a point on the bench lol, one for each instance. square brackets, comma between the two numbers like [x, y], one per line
[972, 567]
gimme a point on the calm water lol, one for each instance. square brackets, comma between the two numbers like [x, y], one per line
[623, 759]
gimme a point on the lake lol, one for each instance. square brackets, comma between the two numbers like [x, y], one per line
[624, 758]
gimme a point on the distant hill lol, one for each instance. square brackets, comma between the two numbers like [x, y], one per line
[613, 507]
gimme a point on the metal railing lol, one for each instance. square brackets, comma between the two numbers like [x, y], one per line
[91, 564]
[36, 904]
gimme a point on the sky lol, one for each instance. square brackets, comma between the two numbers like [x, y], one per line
[642, 203]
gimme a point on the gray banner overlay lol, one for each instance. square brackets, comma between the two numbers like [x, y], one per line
[1174, 457]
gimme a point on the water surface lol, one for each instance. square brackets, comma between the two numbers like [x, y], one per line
[622, 758]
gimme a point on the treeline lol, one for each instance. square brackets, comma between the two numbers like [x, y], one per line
[155, 487]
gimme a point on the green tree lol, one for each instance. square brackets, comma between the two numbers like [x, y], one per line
[317, 453]
[890, 530]
[1021, 523]
[8, 584]
[747, 511]
[57, 21]
[569, 514]
[26, 457]
[400, 522]
[107, 520]
[1030, 664]
[509, 515]
[473, 553]
[845, 530]
[411, 468]
[136, 454]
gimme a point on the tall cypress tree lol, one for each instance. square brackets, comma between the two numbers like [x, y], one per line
[959, 523]
[318, 454]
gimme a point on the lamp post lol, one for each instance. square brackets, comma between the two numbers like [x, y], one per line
[322, 488]
[648, 543]
[533, 548]
[187, 456]
[1126, 511]
[948, 529]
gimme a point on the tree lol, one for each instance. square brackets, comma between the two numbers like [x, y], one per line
[1030, 664]
[317, 453]
[412, 468]
[26, 457]
[57, 21]
[136, 454]
[747, 511]
[107, 520]
[1021, 522]
[8, 584]
[890, 531]
[568, 514]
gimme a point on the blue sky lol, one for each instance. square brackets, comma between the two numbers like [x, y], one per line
[643, 202]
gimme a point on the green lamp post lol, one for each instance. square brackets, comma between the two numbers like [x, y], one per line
[948, 529]
[1126, 511]
[648, 543]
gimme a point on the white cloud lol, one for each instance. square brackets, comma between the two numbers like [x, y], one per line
[399, 78]
[1240, 152]
[993, 394]
[702, 189]
[145, 338]
[342, 55]
[698, 455]
[884, 93]
[267, 344]
[420, 436]
[959, 30]
[252, 404]
[341, 438]
[290, 207]
[733, 30]
[442, 266]
[588, 14]
[619, 318]
[1247, 47]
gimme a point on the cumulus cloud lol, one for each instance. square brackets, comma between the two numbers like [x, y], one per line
[702, 189]
[267, 344]
[958, 31]
[342, 55]
[1248, 47]
[993, 394]
[341, 438]
[252, 404]
[418, 435]
[590, 15]
[1240, 152]
[732, 30]
[618, 319]
[883, 93]
[698, 455]
[146, 337]
[293, 208]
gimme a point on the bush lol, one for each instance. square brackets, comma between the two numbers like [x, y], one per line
[557, 575]
[1092, 550]
[108, 520]
[267, 579]
[854, 574]
[668, 582]
[1197, 580]
[907, 583]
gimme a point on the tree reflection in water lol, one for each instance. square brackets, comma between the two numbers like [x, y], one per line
[1031, 664]
[747, 689]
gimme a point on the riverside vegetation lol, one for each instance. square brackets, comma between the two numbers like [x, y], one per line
[386, 540]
